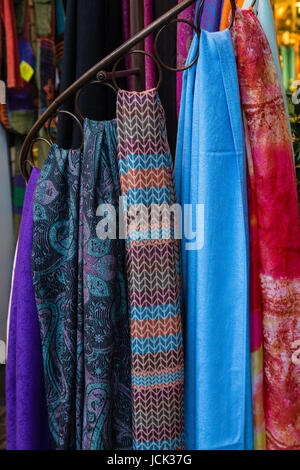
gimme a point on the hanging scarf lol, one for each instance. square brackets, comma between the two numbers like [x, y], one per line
[209, 20]
[26, 411]
[264, 13]
[81, 297]
[226, 12]
[184, 39]
[211, 172]
[150, 69]
[7, 18]
[145, 165]
[275, 239]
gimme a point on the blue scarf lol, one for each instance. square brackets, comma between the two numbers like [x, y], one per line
[211, 171]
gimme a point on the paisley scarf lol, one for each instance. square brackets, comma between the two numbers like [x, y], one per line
[80, 292]
[210, 175]
[275, 241]
[153, 261]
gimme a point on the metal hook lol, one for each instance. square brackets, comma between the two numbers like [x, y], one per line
[101, 80]
[167, 67]
[64, 111]
[24, 171]
[160, 76]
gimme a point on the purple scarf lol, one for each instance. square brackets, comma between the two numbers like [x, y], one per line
[27, 423]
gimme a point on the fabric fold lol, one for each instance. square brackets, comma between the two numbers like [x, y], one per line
[275, 240]
[81, 296]
[154, 275]
[27, 419]
[211, 186]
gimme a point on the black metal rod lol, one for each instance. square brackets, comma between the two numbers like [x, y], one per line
[91, 73]
[103, 75]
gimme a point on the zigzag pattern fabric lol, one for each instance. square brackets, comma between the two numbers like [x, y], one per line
[154, 273]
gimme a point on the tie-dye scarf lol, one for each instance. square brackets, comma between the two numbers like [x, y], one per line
[154, 274]
[80, 292]
[275, 241]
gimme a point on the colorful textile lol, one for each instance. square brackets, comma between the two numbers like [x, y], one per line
[209, 20]
[184, 39]
[264, 13]
[150, 68]
[210, 175]
[7, 17]
[80, 291]
[275, 239]
[211, 14]
[27, 421]
[226, 12]
[153, 265]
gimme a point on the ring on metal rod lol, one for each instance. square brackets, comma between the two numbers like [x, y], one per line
[24, 171]
[160, 74]
[68, 113]
[93, 82]
[165, 66]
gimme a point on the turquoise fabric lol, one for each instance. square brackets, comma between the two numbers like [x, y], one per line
[210, 170]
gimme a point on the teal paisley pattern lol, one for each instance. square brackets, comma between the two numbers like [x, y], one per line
[81, 294]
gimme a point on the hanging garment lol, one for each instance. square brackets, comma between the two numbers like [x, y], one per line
[167, 48]
[93, 30]
[8, 24]
[80, 291]
[210, 14]
[209, 20]
[6, 236]
[211, 178]
[150, 68]
[264, 13]
[153, 264]
[184, 39]
[226, 12]
[275, 234]
[26, 411]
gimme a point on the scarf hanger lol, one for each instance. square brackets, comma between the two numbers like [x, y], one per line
[103, 76]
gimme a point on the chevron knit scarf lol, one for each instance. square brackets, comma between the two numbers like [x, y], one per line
[154, 274]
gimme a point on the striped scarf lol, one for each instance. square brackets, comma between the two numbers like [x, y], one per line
[154, 275]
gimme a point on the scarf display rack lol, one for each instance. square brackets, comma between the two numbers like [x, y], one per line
[98, 70]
